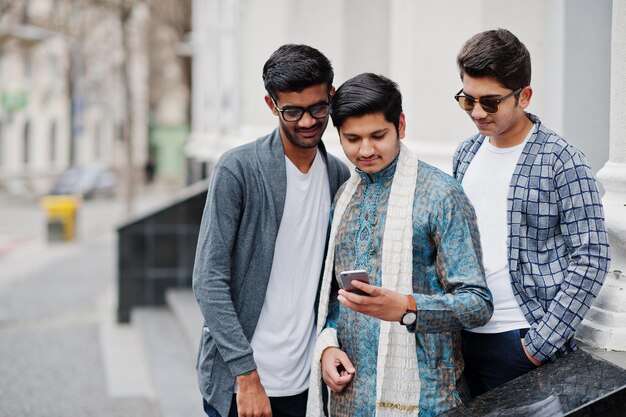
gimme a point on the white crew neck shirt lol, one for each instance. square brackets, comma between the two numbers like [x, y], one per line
[486, 183]
[285, 334]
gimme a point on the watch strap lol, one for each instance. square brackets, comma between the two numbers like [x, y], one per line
[412, 305]
[410, 311]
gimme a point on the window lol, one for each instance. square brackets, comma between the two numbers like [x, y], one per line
[53, 142]
[97, 146]
[28, 67]
[54, 65]
[1, 144]
[26, 148]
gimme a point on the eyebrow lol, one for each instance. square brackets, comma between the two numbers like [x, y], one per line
[485, 96]
[290, 106]
[379, 131]
[375, 132]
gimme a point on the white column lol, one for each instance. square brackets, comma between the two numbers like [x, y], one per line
[605, 325]
[139, 75]
[205, 18]
[215, 98]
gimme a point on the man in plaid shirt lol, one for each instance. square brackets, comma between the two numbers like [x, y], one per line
[540, 218]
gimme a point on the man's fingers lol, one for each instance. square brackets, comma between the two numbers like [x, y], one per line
[356, 301]
[529, 356]
[344, 361]
[351, 300]
[370, 289]
[340, 383]
[255, 412]
[337, 370]
[252, 401]
[360, 303]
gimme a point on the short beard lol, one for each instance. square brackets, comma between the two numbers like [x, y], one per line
[292, 138]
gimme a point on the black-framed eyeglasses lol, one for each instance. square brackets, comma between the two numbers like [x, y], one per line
[489, 104]
[293, 114]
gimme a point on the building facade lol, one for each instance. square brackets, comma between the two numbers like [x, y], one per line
[573, 44]
[63, 91]
[413, 42]
[34, 111]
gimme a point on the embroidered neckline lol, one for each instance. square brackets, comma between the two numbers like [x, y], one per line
[384, 175]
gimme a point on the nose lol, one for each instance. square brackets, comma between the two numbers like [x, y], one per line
[478, 112]
[366, 149]
[306, 121]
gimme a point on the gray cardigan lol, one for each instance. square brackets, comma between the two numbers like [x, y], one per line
[234, 257]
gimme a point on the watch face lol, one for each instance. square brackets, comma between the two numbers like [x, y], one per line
[409, 318]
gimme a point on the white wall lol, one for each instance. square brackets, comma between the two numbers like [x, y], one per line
[587, 71]
[415, 43]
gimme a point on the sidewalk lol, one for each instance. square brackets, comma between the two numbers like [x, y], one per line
[61, 354]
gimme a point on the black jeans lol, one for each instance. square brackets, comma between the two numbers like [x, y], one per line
[491, 359]
[292, 406]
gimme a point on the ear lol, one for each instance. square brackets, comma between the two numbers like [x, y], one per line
[401, 126]
[270, 104]
[525, 96]
[332, 91]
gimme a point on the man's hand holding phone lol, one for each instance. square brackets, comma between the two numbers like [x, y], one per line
[346, 278]
[374, 301]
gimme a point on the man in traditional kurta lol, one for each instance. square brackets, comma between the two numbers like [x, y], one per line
[396, 350]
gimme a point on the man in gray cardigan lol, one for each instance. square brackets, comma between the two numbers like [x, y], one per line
[261, 248]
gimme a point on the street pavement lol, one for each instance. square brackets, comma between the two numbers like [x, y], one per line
[61, 352]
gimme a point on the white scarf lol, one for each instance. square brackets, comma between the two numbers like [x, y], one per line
[397, 373]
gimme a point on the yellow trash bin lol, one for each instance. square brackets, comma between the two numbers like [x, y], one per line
[61, 216]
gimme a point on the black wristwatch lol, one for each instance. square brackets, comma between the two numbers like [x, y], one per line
[410, 315]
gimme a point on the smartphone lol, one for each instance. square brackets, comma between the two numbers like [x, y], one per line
[346, 278]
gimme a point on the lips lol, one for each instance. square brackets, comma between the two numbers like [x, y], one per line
[310, 132]
[368, 161]
[481, 125]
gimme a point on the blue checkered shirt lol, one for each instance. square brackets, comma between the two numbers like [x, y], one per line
[557, 243]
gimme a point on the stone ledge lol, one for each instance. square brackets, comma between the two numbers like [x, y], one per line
[578, 385]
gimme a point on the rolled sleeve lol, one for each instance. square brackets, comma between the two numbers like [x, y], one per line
[466, 301]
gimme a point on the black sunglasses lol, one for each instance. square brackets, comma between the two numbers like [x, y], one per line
[489, 104]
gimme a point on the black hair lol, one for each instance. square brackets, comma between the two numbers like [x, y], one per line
[296, 67]
[367, 93]
[496, 53]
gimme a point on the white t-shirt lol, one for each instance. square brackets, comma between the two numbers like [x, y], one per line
[285, 334]
[486, 184]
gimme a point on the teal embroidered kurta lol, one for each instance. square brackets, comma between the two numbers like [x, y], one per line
[448, 285]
